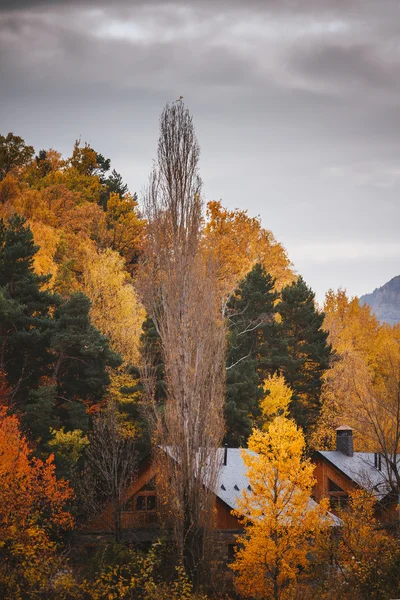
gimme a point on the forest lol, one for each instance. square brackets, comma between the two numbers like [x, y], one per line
[165, 327]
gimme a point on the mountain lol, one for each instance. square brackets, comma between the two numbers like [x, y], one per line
[385, 301]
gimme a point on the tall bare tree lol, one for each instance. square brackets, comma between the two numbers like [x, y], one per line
[179, 288]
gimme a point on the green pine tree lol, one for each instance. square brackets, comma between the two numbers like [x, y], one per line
[25, 310]
[308, 351]
[79, 377]
[252, 351]
[81, 353]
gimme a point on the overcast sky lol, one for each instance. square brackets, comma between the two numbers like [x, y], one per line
[296, 106]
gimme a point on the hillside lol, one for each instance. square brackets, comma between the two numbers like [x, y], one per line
[385, 301]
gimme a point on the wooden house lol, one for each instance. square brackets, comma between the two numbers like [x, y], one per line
[140, 517]
[341, 471]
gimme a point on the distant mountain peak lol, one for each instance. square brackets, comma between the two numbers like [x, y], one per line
[385, 301]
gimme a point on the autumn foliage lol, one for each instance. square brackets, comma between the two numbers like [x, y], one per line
[190, 321]
[361, 560]
[80, 218]
[32, 512]
[238, 242]
[280, 521]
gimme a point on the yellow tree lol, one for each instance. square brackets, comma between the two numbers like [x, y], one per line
[354, 333]
[9, 189]
[116, 310]
[277, 398]
[280, 520]
[239, 242]
[363, 387]
[47, 238]
[376, 403]
[364, 558]
[125, 226]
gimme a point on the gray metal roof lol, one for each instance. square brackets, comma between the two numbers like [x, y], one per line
[360, 468]
[233, 480]
[232, 474]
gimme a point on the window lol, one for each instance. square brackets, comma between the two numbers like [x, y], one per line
[145, 501]
[336, 502]
[333, 487]
[338, 498]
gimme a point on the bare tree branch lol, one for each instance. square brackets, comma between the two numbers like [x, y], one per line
[179, 287]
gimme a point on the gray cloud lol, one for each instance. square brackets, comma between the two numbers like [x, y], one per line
[295, 104]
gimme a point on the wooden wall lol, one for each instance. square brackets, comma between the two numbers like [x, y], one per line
[323, 472]
[225, 518]
[385, 512]
[141, 520]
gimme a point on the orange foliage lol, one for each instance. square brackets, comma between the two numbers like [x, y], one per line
[30, 493]
[32, 507]
[238, 242]
[125, 227]
[9, 189]
[4, 392]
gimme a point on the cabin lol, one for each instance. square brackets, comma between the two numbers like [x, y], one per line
[140, 518]
[341, 471]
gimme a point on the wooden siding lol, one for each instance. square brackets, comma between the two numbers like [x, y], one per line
[134, 519]
[225, 518]
[323, 472]
[104, 522]
[386, 511]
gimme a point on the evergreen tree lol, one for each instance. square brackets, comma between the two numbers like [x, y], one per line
[43, 164]
[82, 353]
[25, 309]
[79, 376]
[252, 351]
[308, 352]
[112, 184]
[54, 359]
[116, 185]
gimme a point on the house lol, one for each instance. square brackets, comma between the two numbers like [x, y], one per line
[341, 471]
[140, 517]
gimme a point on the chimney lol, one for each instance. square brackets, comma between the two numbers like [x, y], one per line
[344, 440]
[225, 455]
[378, 461]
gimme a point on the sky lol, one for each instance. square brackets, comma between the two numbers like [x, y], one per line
[295, 103]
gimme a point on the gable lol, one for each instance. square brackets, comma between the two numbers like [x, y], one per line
[359, 470]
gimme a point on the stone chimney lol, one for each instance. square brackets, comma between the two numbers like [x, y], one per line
[344, 440]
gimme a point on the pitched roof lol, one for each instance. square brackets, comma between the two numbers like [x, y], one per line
[233, 480]
[361, 469]
[232, 477]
